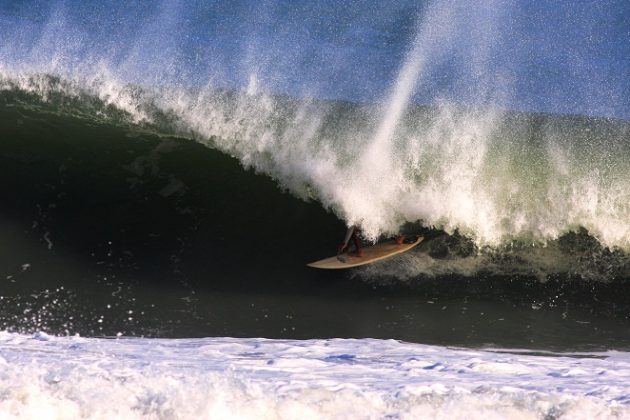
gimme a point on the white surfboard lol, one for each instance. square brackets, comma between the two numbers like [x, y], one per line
[370, 254]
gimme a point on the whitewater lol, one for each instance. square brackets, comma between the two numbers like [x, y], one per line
[76, 377]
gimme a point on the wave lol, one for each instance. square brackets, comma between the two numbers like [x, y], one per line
[511, 203]
[118, 226]
[252, 82]
[494, 176]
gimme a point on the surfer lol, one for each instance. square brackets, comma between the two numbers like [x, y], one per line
[353, 233]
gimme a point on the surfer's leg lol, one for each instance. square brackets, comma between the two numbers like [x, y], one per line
[400, 239]
[357, 245]
[344, 245]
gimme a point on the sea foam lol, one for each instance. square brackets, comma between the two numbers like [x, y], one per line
[72, 377]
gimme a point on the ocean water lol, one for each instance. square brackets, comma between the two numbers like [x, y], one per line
[168, 169]
[61, 377]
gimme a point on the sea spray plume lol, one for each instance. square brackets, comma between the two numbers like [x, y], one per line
[379, 193]
[377, 170]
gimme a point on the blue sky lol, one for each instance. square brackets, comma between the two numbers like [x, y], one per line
[564, 57]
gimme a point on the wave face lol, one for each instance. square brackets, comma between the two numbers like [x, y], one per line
[226, 78]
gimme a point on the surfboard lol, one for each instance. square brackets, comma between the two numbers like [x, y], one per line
[370, 254]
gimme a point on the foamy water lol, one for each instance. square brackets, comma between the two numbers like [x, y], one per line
[74, 377]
